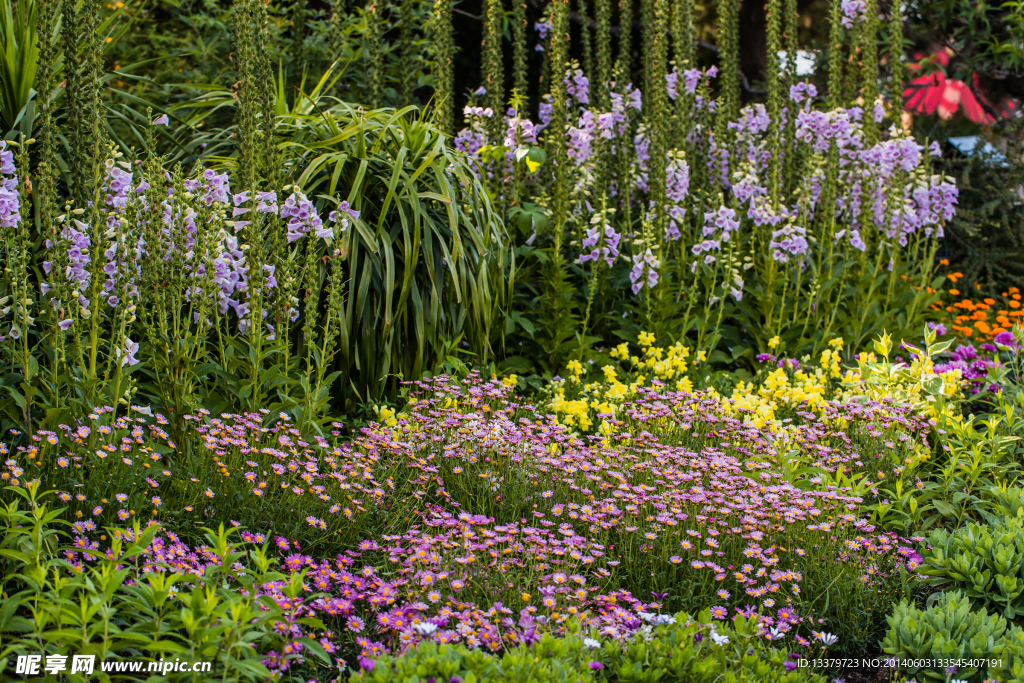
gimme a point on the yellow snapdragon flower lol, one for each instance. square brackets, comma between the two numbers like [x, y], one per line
[575, 369]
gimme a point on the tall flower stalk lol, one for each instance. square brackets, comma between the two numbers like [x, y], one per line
[624, 64]
[80, 40]
[796, 200]
[603, 52]
[728, 28]
[683, 34]
[896, 56]
[519, 54]
[444, 54]
[373, 52]
[493, 70]
[869, 72]
[409, 53]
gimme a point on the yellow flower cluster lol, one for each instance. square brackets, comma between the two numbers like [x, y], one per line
[386, 416]
[599, 400]
[573, 413]
[809, 388]
[582, 404]
[779, 389]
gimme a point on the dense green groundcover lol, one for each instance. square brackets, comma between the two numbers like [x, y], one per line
[685, 650]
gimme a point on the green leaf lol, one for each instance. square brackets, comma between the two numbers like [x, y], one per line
[944, 508]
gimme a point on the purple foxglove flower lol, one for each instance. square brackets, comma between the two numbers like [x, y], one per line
[127, 355]
[691, 78]
[6, 159]
[344, 206]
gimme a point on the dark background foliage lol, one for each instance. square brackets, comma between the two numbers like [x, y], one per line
[985, 239]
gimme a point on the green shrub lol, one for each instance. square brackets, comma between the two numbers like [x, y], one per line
[1012, 668]
[985, 561]
[108, 608]
[950, 630]
[1001, 501]
[685, 650]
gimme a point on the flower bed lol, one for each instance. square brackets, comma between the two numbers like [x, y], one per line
[476, 514]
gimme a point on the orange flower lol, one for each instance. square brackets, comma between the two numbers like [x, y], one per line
[955, 292]
[983, 327]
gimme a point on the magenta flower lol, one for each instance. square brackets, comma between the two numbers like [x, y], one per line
[1007, 340]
